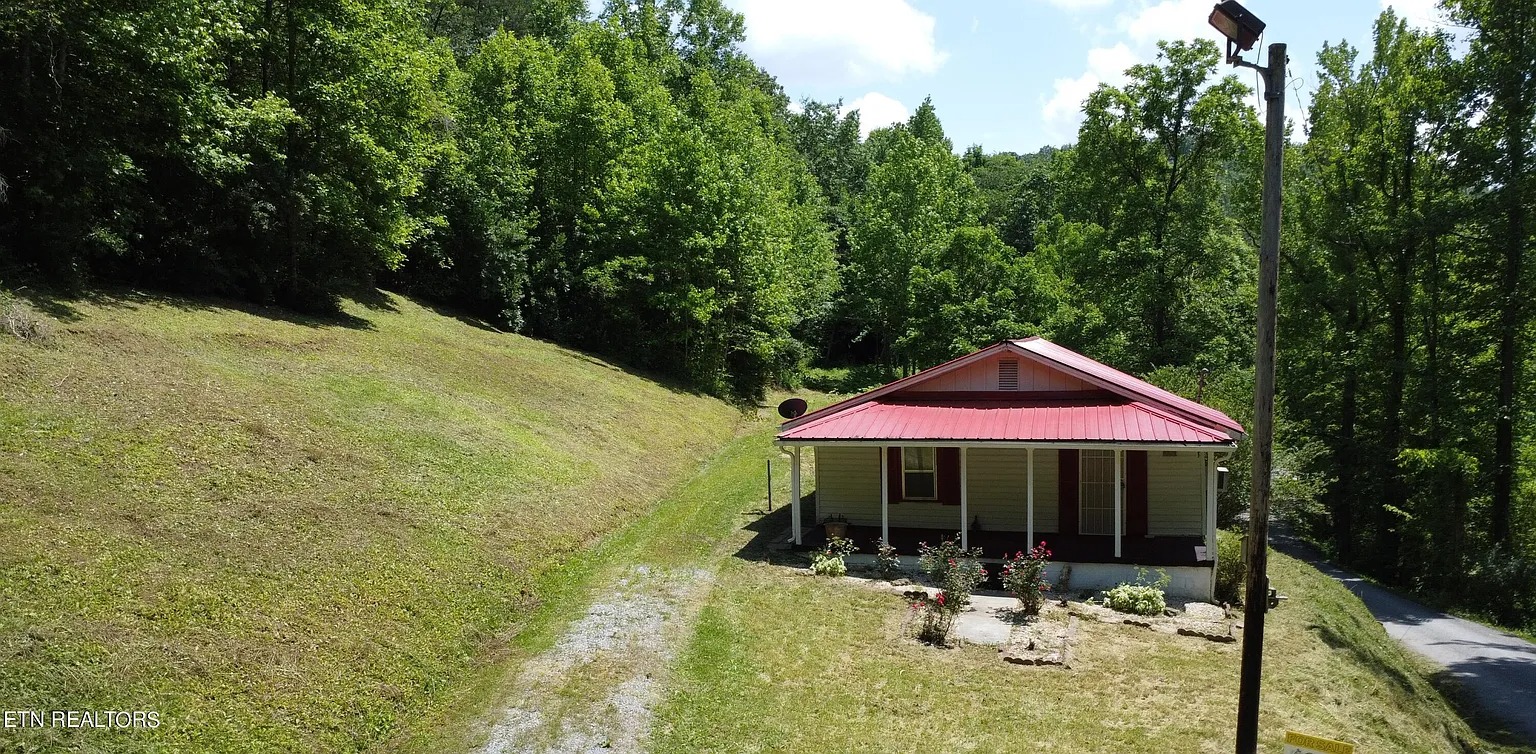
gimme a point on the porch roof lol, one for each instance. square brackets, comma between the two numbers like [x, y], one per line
[1063, 421]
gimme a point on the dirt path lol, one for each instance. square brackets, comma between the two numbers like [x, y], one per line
[595, 690]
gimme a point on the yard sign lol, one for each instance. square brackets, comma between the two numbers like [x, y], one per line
[1301, 743]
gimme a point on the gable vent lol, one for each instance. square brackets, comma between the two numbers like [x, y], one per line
[1008, 374]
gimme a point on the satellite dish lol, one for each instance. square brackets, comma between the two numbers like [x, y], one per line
[793, 408]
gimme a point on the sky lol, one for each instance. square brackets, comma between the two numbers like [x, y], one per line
[1011, 75]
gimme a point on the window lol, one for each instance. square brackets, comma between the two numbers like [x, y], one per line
[919, 474]
[1097, 490]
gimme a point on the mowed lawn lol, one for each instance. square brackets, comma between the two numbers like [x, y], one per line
[296, 535]
[786, 662]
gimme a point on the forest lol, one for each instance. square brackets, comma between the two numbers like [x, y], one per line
[633, 184]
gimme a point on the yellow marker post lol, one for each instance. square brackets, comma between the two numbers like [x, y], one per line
[1301, 743]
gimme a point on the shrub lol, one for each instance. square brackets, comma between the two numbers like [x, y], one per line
[937, 561]
[887, 564]
[1231, 569]
[1501, 585]
[829, 561]
[937, 619]
[956, 572]
[1024, 577]
[22, 321]
[1139, 598]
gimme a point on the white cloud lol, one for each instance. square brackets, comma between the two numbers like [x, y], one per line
[1139, 30]
[875, 111]
[1171, 19]
[1417, 12]
[845, 41]
[1063, 111]
[1076, 5]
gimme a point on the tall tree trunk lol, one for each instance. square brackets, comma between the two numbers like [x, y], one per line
[1517, 107]
[1347, 462]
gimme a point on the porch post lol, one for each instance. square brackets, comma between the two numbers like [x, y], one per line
[1119, 501]
[885, 497]
[1210, 505]
[1029, 497]
[794, 492]
[965, 532]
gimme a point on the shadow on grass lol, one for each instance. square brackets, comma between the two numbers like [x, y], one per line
[445, 310]
[769, 543]
[63, 306]
[1363, 654]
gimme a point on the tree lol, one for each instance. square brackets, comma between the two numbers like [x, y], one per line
[1150, 169]
[1374, 199]
[916, 198]
[1501, 87]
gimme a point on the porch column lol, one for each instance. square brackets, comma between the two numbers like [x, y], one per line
[794, 492]
[1210, 505]
[965, 531]
[1119, 501]
[1029, 498]
[885, 498]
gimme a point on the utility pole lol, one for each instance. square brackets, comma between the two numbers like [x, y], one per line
[1256, 594]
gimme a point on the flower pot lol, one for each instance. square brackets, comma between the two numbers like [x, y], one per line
[836, 529]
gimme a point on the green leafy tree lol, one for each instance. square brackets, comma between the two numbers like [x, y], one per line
[1151, 170]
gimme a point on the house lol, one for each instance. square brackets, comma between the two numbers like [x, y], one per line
[1020, 442]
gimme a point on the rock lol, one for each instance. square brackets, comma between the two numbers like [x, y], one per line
[1137, 623]
[1207, 635]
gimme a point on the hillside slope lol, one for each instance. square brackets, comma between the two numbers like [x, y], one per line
[285, 534]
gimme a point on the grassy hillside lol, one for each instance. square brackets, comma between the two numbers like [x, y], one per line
[296, 535]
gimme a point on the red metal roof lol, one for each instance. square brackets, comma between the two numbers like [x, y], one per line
[1130, 409]
[1015, 420]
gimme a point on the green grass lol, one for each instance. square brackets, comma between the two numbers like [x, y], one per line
[699, 525]
[289, 534]
[781, 662]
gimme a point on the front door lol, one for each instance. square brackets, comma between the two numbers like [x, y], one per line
[1096, 498]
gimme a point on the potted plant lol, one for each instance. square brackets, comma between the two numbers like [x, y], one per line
[836, 526]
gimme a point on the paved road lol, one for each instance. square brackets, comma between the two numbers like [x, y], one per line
[1498, 669]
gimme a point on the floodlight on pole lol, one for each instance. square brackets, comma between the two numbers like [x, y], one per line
[1242, 30]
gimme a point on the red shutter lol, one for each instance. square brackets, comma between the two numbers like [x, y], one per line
[893, 474]
[1067, 491]
[1136, 493]
[947, 463]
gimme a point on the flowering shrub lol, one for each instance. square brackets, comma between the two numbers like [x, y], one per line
[937, 561]
[1139, 598]
[936, 618]
[887, 564]
[829, 561]
[1024, 576]
[956, 572]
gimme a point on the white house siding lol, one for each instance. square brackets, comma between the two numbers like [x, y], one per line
[848, 484]
[1047, 514]
[996, 478]
[1176, 493]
